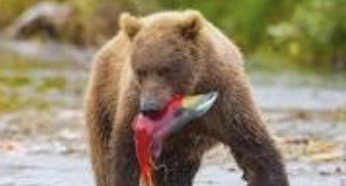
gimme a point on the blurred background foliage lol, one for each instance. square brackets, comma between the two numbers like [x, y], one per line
[308, 35]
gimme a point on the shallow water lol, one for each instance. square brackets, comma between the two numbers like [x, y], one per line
[279, 97]
[44, 170]
[53, 170]
[50, 149]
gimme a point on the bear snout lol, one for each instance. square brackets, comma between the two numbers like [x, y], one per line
[150, 107]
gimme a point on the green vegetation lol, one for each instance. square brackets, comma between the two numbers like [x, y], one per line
[14, 62]
[22, 86]
[10, 9]
[299, 34]
[15, 81]
[50, 83]
[13, 102]
[308, 34]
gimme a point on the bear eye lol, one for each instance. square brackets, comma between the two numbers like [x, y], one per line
[141, 74]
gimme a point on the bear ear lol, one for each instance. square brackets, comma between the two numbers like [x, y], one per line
[129, 24]
[192, 24]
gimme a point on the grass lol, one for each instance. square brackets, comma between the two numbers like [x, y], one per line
[14, 102]
[24, 86]
[14, 62]
[10, 9]
[49, 83]
[15, 81]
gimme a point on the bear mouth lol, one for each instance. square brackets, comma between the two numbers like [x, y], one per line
[151, 132]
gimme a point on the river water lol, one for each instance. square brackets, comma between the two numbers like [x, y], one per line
[53, 170]
[44, 144]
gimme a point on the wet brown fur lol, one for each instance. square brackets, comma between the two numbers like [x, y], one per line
[212, 62]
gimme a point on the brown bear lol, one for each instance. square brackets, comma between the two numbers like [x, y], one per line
[152, 58]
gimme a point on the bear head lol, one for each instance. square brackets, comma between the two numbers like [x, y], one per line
[166, 55]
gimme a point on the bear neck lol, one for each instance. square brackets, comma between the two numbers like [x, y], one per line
[221, 62]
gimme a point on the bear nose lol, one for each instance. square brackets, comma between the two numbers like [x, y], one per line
[150, 109]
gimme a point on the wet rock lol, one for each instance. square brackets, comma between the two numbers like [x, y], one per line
[47, 17]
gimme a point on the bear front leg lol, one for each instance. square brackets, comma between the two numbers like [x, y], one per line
[99, 126]
[181, 158]
[254, 151]
[242, 129]
[176, 170]
[123, 161]
[260, 161]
